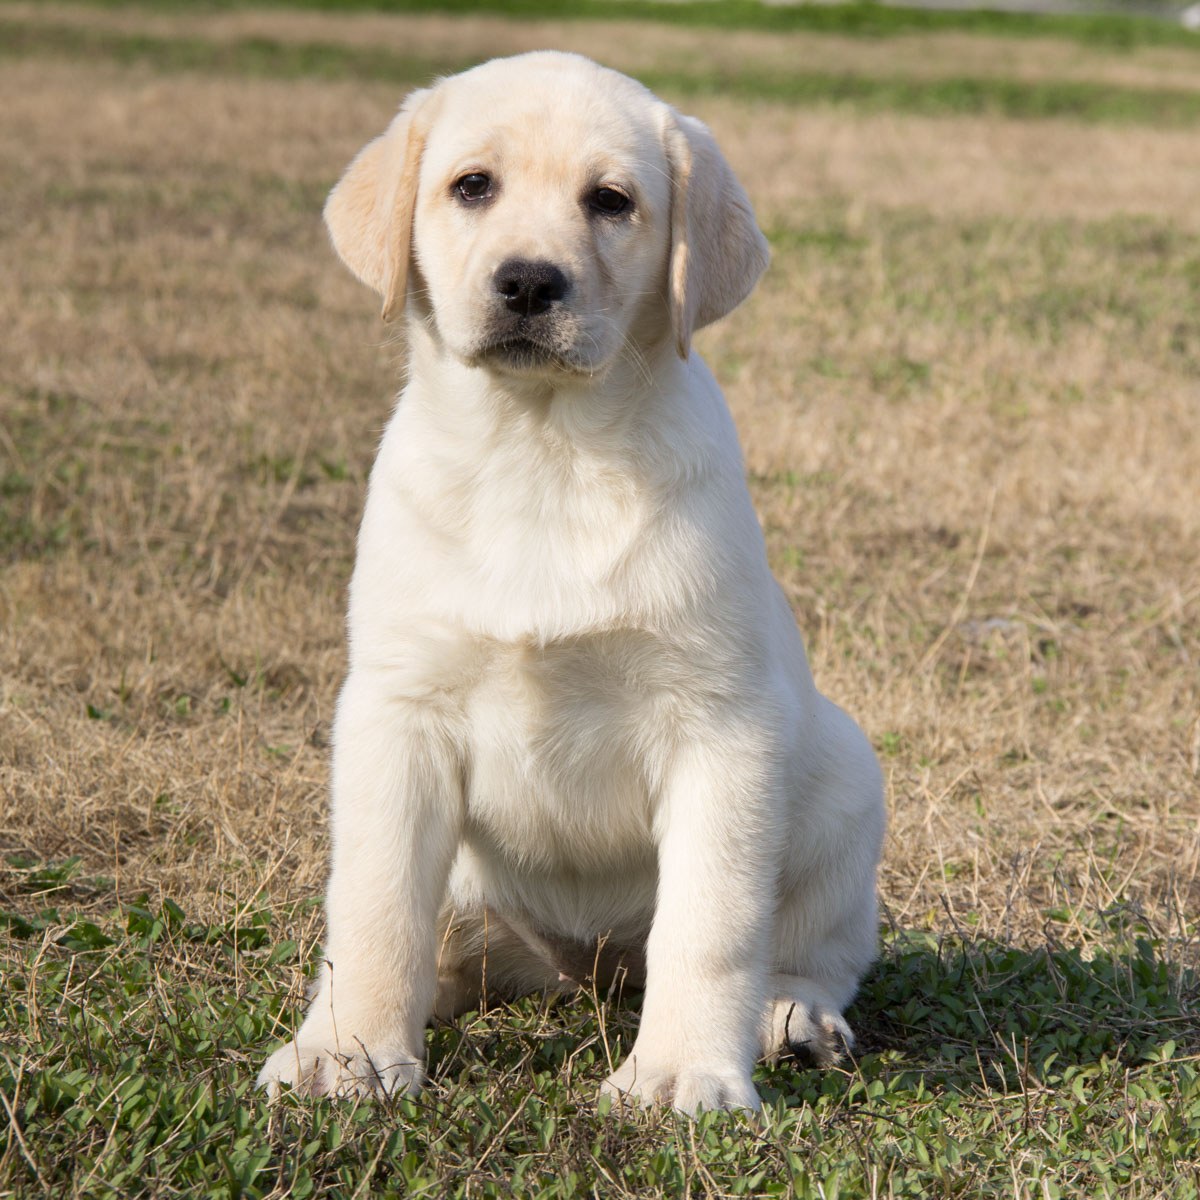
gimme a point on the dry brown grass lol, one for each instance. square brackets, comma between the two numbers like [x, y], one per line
[968, 396]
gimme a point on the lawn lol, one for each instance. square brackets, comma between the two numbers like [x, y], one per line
[969, 396]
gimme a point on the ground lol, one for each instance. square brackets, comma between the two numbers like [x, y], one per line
[968, 396]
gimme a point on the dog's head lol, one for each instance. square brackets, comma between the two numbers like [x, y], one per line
[541, 212]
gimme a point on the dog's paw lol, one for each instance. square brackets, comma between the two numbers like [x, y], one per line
[311, 1069]
[814, 1032]
[688, 1089]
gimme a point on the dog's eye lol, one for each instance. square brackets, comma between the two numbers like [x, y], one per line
[474, 186]
[609, 201]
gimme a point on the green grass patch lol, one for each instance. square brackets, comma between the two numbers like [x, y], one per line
[1043, 280]
[40, 512]
[247, 56]
[1017, 99]
[1021, 99]
[132, 1037]
[860, 19]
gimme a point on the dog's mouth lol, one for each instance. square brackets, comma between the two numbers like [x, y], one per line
[525, 355]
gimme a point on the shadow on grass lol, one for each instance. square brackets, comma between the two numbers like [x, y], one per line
[963, 1014]
[985, 1013]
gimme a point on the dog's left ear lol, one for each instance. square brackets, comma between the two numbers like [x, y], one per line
[717, 249]
[369, 213]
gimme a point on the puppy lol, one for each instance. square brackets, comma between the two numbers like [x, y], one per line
[578, 734]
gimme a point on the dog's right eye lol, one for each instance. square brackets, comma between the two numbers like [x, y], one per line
[474, 186]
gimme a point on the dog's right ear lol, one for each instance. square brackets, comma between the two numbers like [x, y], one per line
[369, 213]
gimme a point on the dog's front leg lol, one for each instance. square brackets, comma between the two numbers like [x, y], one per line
[706, 955]
[397, 814]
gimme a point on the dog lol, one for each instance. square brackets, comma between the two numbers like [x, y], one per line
[578, 739]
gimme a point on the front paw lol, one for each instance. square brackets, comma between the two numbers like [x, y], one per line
[312, 1068]
[688, 1088]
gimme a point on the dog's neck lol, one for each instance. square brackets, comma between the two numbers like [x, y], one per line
[599, 411]
[547, 496]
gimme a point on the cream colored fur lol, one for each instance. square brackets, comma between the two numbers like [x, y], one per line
[578, 734]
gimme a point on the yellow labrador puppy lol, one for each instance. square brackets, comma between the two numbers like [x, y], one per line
[579, 733]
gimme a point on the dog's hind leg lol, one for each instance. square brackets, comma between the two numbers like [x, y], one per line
[826, 935]
[815, 979]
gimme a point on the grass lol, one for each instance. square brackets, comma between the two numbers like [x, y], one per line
[140, 1031]
[966, 392]
[1023, 99]
[859, 18]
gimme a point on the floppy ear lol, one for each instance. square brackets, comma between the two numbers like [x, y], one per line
[369, 213]
[717, 250]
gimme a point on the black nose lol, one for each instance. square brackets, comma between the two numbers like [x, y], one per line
[529, 287]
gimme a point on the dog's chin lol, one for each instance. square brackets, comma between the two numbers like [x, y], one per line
[527, 358]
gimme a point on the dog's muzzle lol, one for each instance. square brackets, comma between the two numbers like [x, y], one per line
[527, 326]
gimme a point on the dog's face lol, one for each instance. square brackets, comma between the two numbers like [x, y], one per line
[542, 223]
[542, 214]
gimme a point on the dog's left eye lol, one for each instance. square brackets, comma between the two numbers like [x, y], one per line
[609, 201]
[474, 186]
